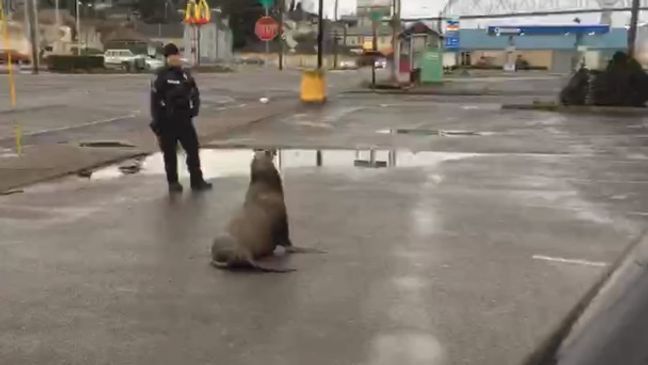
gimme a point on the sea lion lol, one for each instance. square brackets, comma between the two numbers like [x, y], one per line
[260, 225]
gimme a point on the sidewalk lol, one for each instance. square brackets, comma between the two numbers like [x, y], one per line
[453, 88]
[46, 161]
[500, 85]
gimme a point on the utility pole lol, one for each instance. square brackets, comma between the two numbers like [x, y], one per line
[632, 32]
[374, 47]
[282, 9]
[30, 8]
[78, 26]
[57, 14]
[335, 36]
[396, 26]
[320, 34]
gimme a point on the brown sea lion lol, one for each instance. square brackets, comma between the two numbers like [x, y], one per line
[260, 225]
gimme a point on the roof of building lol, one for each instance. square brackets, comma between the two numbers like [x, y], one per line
[418, 28]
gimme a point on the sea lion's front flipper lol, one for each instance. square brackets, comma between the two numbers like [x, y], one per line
[296, 249]
[220, 265]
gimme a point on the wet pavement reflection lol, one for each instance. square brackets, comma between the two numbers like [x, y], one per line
[235, 162]
[434, 132]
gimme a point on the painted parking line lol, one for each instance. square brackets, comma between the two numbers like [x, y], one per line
[570, 261]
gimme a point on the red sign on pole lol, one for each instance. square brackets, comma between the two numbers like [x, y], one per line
[266, 28]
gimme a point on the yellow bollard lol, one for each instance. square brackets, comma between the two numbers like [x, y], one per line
[313, 87]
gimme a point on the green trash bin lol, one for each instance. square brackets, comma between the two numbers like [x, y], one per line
[432, 67]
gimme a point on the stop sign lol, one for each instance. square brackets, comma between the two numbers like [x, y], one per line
[266, 28]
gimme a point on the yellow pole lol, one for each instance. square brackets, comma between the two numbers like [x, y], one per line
[12, 83]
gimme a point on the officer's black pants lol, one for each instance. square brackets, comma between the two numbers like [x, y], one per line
[187, 137]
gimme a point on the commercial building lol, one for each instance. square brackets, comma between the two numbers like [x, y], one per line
[556, 53]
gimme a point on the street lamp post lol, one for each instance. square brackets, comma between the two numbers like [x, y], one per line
[632, 32]
[320, 34]
[30, 8]
[396, 39]
[78, 26]
[57, 14]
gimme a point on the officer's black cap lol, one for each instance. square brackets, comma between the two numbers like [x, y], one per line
[170, 50]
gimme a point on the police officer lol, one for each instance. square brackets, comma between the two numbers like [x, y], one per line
[175, 101]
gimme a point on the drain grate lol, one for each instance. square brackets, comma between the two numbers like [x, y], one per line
[106, 144]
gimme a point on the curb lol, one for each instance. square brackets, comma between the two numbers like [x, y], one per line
[451, 92]
[7, 190]
[556, 108]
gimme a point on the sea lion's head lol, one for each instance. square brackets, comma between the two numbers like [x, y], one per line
[264, 153]
[262, 167]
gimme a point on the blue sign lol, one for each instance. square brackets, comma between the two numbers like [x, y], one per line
[521, 30]
[452, 40]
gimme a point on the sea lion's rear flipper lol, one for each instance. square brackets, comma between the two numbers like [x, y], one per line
[269, 267]
[250, 265]
[296, 249]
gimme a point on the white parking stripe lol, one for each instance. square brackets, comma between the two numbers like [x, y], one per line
[570, 261]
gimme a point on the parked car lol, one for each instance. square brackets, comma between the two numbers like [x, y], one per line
[124, 59]
[153, 63]
[348, 65]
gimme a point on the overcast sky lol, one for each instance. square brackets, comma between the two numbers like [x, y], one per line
[416, 8]
[410, 7]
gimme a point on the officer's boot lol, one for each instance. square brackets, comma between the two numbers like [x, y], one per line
[175, 187]
[200, 185]
[193, 164]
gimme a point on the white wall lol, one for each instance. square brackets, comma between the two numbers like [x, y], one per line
[450, 59]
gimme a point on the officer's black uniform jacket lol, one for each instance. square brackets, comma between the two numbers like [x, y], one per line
[175, 100]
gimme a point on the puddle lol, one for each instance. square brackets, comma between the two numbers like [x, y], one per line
[434, 132]
[106, 144]
[236, 162]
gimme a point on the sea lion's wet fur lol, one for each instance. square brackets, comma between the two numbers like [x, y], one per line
[260, 225]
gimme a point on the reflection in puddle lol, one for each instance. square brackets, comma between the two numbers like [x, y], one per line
[236, 162]
[434, 132]
[7, 153]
